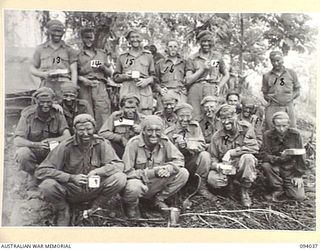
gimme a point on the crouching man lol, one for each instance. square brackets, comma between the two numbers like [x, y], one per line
[82, 168]
[154, 167]
[283, 169]
[232, 148]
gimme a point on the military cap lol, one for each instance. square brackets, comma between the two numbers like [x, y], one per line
[69, 87]
[209, 99]
[43, 92]
[152, 120]
[205, 35]
[86, 30]
[131, 31]
[82, 118]
[168, 97]
[275, 53]
[247, 102]
[280, 115]
[183, 106]
[130, 96]
[226, 109]
[55, 25]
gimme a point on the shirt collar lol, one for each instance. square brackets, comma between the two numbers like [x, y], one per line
[284, 70]
[51, 116]
[48, 44]
[86, 53]
[178, 61]
[76, 140]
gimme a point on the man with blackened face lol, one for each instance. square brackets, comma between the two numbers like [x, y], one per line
[169, 102]
[154, 168]
[83, 168]
[123, 124]
[232, 148]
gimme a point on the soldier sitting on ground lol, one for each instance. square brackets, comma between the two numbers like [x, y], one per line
[39, 128]
[283, 170]
[123, 124]
[232, 148]
[187, 136]
[154, 168]
[69, 170]
[209, 121]
[71, 105]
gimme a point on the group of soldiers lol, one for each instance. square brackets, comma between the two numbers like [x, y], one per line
[70, 139]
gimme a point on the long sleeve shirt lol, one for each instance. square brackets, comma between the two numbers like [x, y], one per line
[68, 158]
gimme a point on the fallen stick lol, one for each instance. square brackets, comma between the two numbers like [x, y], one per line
[205, 222]
[215, 215]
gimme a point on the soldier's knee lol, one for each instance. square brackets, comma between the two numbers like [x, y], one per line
[135, 188]
[248, 158]
[183, 175]
[120, 179]
[23, 155]
[266, 167]
[296, 193]
[48, 186]
[217, 180]
[204, 155]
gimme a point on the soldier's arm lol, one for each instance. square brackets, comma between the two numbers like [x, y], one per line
[107, 129]
[35, 65]
[112, 164]
[118, 75]
[250, 144]
[223, 70]
[129, 159]
[174, 157]
[265, 88]
[74, 73]
[52, 166]
[193, 77]
[301, 165]
[296, 86]
[214, 152]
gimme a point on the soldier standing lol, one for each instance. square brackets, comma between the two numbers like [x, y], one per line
[206, 72]
[94, 68]
[280, 87]
[135, 70]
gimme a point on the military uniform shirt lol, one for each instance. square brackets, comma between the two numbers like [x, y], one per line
[243, 141]
[33, 128]
[280, 88]
[68, 159]
[214, 73]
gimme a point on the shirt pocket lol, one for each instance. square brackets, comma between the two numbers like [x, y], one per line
[64, 61]
[141, 163]
[46, 60]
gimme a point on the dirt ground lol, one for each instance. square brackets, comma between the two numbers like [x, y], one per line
[25, 208]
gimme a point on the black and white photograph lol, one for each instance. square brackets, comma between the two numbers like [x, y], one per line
[160, 119]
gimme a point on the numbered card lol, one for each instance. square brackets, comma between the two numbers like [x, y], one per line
[94, 181]
[95, 63]
[53, 144]
[135, 74]
[214, 63]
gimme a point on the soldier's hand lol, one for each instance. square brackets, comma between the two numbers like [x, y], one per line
[79, 179]
[182, 143]
[45, 74]
[226, 157]
[297, 182]
[162, 172]
[43, 145]
[92, 173]
[136, 128]
[142, 83]
[58, 108]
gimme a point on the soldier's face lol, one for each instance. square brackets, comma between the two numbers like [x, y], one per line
[69, 98]
[172, 48]
[56, 35]
[88, 39]
[44, 104]
[135, 40]
[130, 109]
[84, 131]
[277, 62]
[209, 109]
[281, 125]
[152, 134]
[206, 45]
[233, 100]
[184, 117]
[228, 121]
[169, 106]
[246, 111]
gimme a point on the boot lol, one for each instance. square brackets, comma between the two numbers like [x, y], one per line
[63, 217]
[159, 204]
[245, 197]
[204, 191]
[274, 196]
[132, 211]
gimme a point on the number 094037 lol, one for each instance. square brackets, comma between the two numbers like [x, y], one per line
[308, 246]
